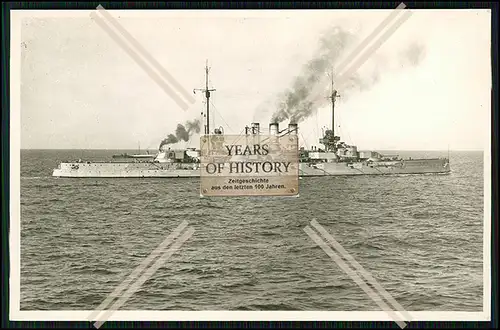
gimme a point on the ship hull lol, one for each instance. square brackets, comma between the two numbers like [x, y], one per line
[125, 170]
[417, 166]
[158, 170]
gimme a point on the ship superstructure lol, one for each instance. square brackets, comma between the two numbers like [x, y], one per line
[334, 158]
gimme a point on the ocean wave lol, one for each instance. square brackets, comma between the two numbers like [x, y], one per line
[252, 253]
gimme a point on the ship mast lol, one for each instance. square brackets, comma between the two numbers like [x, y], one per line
[207, 91]
[329, 139]
[333, 96]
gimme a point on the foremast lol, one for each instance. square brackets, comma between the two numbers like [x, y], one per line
[207, 91]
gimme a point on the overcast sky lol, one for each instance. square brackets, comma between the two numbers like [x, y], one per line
[81, 90]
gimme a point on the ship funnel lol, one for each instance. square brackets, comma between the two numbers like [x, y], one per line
[255, 128]
[273, 128]
[292, 129]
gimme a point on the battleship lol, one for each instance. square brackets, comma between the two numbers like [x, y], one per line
[334, 158]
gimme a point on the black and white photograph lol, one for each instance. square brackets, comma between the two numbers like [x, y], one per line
[381, 213]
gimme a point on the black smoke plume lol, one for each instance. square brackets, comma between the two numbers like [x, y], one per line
[294, 104]
[307, 94]
[182, 132]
